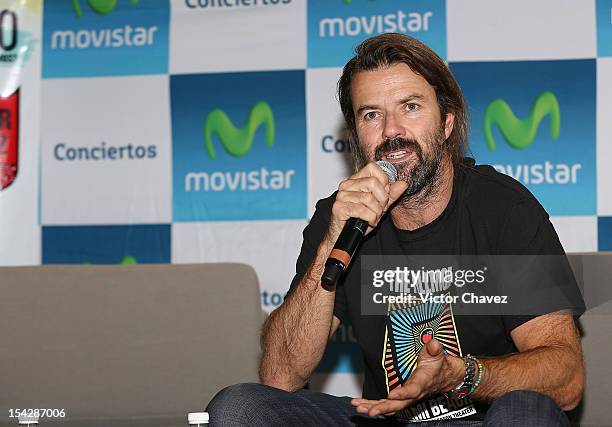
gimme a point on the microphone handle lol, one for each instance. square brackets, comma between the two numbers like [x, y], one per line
[344, 249]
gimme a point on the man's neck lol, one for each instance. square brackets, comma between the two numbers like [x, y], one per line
[420, 211]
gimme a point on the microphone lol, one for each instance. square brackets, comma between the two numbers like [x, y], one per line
[349, 240]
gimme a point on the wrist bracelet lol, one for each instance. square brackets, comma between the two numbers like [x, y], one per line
[481, 370]
[465, 388]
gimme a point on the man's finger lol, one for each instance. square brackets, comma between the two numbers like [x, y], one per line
[434, 348]
[364, 408]
[369, 199]
[388, 406]
[358, 401]
[412, 389]
[395, 191]
[369, 185]
[372, 169]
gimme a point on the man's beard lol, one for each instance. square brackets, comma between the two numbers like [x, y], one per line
[421, 172]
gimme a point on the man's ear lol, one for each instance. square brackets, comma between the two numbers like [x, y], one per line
[449, 123]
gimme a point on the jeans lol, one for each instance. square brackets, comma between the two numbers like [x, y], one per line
[261, 405]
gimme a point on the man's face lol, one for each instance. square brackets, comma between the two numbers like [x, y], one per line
[398, 120]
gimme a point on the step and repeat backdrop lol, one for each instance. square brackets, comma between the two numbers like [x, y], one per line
[182, 131]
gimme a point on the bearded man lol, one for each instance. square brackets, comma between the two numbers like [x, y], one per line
[402, 105]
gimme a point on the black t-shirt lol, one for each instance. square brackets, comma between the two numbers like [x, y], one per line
[488, 213]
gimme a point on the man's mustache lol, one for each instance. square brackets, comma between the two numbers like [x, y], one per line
[397, 144]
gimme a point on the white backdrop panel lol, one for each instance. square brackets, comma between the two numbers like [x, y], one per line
[604, 136]
[576, 233]
[328, 155]
[103, 118]
[520, 29]
[242, 38]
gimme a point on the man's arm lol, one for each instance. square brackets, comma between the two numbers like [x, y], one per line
[549, 362]
[295, 335]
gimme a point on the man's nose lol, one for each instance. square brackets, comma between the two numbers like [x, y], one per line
[392, 128]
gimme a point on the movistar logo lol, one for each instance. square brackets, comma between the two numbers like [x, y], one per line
[237, 141]
[113, 37]
[518, 133]
[101, 7]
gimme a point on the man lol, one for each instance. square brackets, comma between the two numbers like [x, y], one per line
[402, 105]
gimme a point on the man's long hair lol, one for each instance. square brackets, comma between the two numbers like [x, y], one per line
[389, 49]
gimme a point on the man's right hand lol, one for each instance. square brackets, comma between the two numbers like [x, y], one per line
[366, 195]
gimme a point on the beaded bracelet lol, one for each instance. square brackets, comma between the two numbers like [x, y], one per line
[464, 389]
[481, 370]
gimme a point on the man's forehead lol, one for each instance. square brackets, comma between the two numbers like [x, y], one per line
[397, 77]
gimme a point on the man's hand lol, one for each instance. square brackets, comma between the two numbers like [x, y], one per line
[435, 373]
[366, 195]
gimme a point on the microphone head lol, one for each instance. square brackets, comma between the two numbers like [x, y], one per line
[389, 169]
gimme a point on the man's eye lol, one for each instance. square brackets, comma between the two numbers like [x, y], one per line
[412, 106]
[370, 116]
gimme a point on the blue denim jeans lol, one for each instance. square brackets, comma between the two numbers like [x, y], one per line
[261, 405]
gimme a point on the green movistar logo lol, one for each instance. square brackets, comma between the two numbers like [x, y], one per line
[521, 133]
[128, 260]
[238, 141]
[101, 7]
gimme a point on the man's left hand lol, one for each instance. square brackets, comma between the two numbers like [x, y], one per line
[435, 373]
